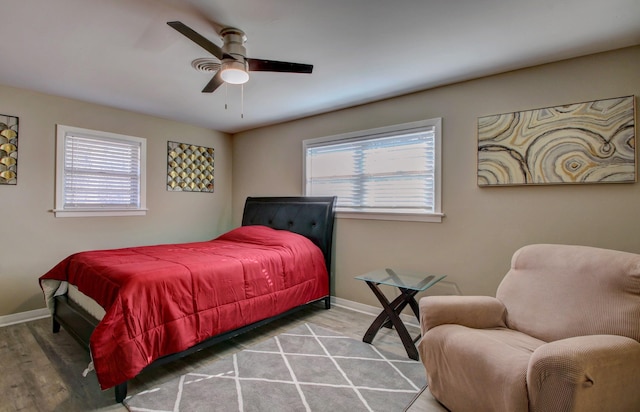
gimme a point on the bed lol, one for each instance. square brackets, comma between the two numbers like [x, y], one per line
[137, 308]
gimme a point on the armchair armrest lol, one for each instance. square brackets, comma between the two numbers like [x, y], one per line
[585, 373]
[472, 311]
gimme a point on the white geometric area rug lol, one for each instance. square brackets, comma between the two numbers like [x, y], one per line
[308, 368]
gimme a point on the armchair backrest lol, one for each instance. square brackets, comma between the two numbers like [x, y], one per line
[554, 292]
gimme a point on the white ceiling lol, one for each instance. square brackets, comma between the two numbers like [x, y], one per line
[121, 53]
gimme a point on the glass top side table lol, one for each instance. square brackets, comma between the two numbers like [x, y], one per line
[409, 284]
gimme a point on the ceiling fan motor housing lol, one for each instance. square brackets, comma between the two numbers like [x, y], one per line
[234, 40]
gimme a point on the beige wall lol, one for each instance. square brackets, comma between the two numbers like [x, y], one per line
[483, 226]
[33, 240]
[472, 245]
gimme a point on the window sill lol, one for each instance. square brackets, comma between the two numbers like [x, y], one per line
[99, 212]
[410, 217]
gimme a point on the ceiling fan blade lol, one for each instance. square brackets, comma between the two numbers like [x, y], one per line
[260, 65]
[213, 84]
[197, 38]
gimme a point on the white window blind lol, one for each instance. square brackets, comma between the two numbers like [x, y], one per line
[99, 172]
[392, 170]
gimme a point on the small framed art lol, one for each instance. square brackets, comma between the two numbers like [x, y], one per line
[189, 168]
[8, 150]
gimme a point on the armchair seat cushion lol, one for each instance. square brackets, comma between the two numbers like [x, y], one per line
[488, 365]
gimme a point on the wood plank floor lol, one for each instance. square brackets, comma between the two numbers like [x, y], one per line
[42, 371]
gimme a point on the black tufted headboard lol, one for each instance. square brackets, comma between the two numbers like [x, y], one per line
[311, 217]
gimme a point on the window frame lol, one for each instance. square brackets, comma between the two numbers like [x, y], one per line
[435, 123]
[62, 132]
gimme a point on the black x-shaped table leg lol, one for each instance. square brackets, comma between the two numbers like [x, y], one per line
[391, 316]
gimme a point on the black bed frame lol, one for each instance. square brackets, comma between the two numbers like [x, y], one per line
[312, 217]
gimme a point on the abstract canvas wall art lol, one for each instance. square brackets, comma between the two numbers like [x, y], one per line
[189, 168]
[589, 142]
[8, 150]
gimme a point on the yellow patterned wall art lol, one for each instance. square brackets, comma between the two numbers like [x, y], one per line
[189, 168]
[8, 150]
[590, 142]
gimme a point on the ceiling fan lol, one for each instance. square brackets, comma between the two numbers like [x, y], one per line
[234, 63]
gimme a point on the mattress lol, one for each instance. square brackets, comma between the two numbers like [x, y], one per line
[85, 302]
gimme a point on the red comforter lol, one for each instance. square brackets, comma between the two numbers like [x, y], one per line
[164, 299]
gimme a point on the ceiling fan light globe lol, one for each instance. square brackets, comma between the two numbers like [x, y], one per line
[234, 73]
[235, 76]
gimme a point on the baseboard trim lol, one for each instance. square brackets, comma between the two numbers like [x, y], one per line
[409, 320]
[343, 303]
[21, 317]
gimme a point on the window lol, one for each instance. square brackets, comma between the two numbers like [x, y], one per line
[390, 173]
[99, 173]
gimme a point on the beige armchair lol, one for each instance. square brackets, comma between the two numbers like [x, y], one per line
[562, 334]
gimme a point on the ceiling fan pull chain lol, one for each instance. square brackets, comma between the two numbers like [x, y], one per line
[242, 101]
[226, 95]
